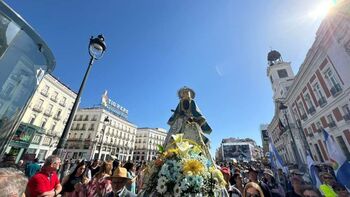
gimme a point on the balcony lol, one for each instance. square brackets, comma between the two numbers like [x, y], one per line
[63, 104]
[48, 113]
[311, 110]
[37, 108]
[57, 117]
[54, 99]
[335, 90]
[322, 101]
[44, 93]
[303, 117]
[346, 117]
[332, 124]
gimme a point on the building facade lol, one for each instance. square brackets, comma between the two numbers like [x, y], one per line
[47, 112]
[147, 141]
[318, 97]
[24, 60]
[93, 135]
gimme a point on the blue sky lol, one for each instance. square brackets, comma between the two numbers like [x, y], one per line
[155, 47]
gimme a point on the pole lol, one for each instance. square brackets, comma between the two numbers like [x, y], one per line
[294, 147]
[103, 136]
[59, 149]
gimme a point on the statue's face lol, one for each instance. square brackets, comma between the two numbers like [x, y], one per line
[186, 95]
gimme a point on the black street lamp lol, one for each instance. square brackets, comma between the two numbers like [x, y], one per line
[283, 108]
[97, 47]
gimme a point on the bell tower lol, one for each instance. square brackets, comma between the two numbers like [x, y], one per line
[280, 73]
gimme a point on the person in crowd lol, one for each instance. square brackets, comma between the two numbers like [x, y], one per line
[131, 185]
[20, 165]
[99, 185]
[297, 183]
[74, 183]
[95, 167]
[12, 182]
[119, 180]
[140, 175]
[253, 177]
[327, 182]
[282, 179]
[253, 189]
[45, 183]
[341, 190]
[116, 164]
[310, 191]
[32, 168]
[236, 188]
[227, 174]
[270, 181]
[65, 169]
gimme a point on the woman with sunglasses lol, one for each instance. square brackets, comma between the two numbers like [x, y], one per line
[327, 182]
[252, 190]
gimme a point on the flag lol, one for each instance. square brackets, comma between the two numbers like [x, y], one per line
[281, 126]
[275, 159]
[313, 171]
[340, 164]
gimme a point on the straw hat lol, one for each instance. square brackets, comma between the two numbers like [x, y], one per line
[119, 173]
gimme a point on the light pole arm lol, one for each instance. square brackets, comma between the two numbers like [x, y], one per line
[63, 139]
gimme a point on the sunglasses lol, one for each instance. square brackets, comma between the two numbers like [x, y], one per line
[252, 195]
[310, 196]
[327, 177]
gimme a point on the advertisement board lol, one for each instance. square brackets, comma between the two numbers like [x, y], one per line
[239, 152]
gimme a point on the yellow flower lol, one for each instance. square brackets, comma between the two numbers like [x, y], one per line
[171, 152]
[193, 166]
[216, 174]
[184, 147]
[197, 149]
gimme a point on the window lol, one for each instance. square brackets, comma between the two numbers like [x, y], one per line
[83, 127]
[330, 119]
[346, 112]
[318, 91]
[86, 117]
[36, 139]
[46, 141]
[39, 104]
[318, 152]
[54, 96]
[45, 90]
[63, 101]
[53, 126]
[282, 73]
[343, 146]
[332, 81]
[49, 109]
[43, 123]
[32, 119]
[58, 114]
[81, 136]
[318, 125]
[92, 126]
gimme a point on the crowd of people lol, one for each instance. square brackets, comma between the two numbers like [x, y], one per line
[257, 180]
[113, 178]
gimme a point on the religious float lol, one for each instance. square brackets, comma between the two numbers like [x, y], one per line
[184, 166]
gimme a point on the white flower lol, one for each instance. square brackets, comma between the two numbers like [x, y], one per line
[177, 190]
[161, 188]
[184, 184]
[162, 180]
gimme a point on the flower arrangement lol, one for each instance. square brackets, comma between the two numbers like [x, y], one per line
[183, 170]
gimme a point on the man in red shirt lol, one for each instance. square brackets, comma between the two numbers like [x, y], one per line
[45, 183]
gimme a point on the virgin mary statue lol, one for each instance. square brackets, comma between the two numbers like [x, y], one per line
[184, 166]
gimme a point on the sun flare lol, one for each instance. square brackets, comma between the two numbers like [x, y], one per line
[321, 10]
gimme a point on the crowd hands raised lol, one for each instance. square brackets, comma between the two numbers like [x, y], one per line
[125, 179]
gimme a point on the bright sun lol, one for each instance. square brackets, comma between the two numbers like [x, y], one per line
[321, 10]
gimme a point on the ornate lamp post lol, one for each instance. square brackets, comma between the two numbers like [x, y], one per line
[97, 47]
